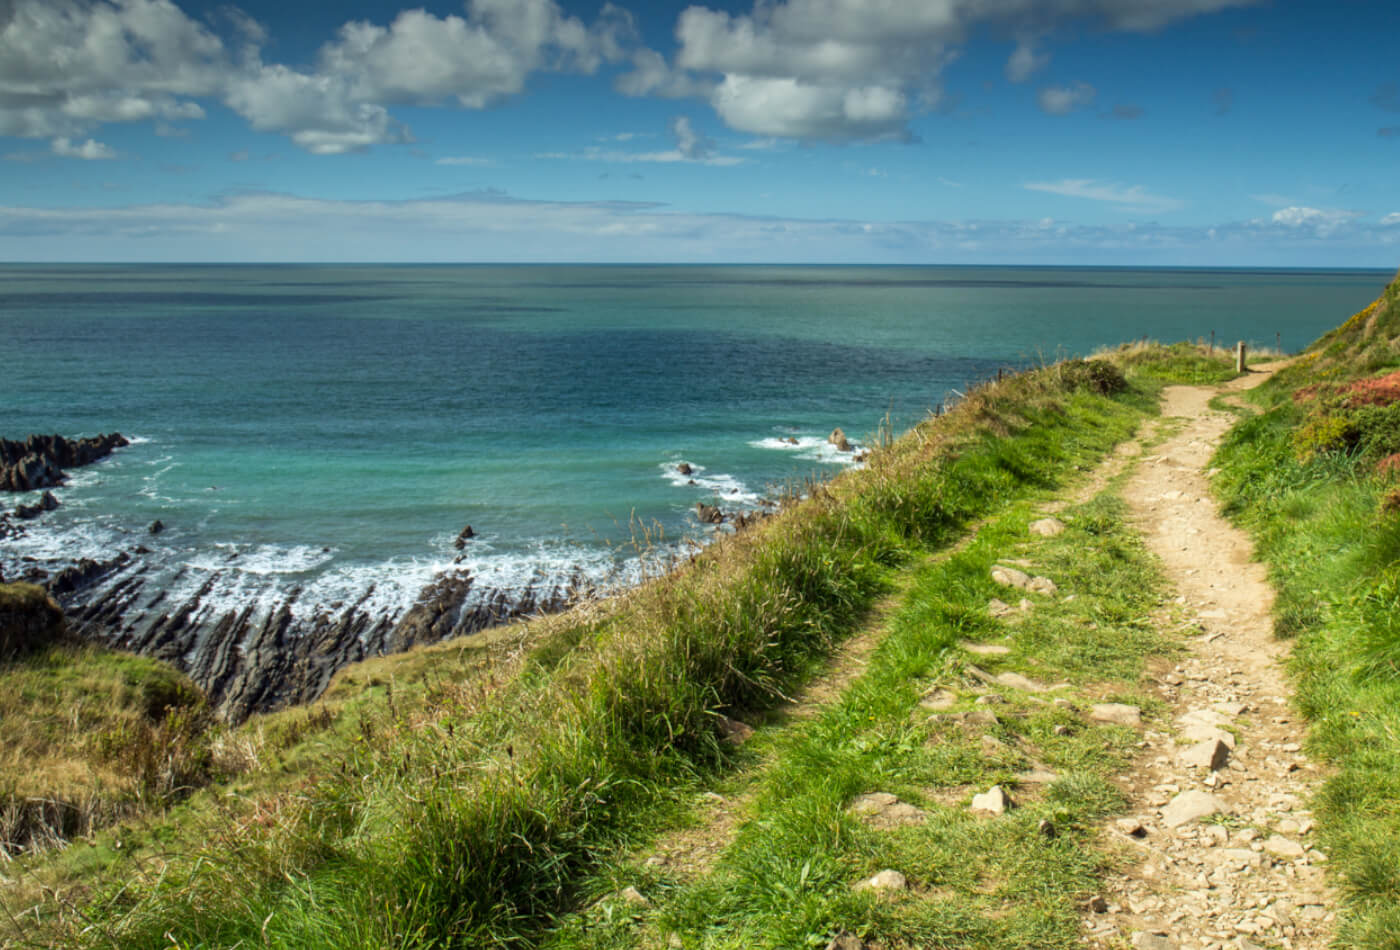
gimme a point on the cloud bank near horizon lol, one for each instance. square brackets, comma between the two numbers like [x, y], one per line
[493, 227]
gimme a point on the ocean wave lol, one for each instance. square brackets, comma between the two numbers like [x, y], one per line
[262, 560]
[727, 487]
[811, 449]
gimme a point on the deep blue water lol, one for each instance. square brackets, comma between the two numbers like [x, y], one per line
[333, 427]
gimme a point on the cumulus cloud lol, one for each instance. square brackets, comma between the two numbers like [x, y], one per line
[420, 59]
[1062, 100]
[845, 70]
[69, 66]
[1320, 221]
[691, 144]
[1025, 61]
[1132, 197]
[89, 150]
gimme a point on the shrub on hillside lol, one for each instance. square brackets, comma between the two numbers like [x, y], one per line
[1095, 376]
[29, 619]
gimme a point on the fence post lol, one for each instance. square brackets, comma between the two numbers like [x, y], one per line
[1212, 342]
[1239, 358]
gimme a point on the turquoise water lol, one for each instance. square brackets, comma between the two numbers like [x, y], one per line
[331, 429]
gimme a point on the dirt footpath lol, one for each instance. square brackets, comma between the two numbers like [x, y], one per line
[1219, 850]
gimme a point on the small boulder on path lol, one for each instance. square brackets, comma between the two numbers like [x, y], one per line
[1047, 527]
[993, 801]
[1284, 848]
[1191, 806]
[884, 881]
[885, 810]
[1211, 754]
[1119, 714]
[938, 699]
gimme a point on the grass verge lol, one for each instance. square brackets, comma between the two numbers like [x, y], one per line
[1306, 476]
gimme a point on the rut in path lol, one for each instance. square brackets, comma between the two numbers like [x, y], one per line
[1247, 875]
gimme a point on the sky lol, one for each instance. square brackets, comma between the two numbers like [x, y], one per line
[1060, 132]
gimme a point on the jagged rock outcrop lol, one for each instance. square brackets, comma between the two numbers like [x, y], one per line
[257, 659]
[39, 460]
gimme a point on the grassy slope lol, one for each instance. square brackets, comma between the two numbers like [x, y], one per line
[457, 796]
[1302, 477]
[785, 881]
[88, 735]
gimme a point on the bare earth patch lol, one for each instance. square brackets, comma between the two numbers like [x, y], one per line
[1219, 849]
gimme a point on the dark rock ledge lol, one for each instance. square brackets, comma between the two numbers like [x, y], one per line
[39, 460]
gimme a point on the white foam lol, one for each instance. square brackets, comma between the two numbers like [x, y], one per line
[810, 448]
[727, 487]
[262, 560]
[138, 440]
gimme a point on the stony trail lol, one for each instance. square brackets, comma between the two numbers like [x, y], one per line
[1218, 849]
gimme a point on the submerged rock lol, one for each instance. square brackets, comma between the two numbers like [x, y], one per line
[47, 502]
[708, 514]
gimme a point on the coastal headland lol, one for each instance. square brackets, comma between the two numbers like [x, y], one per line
[1007, 685]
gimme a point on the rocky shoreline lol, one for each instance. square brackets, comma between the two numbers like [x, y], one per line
[253, 659]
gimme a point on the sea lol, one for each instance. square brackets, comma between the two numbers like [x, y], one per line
[330, 430]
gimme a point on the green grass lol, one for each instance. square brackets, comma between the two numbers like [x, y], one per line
[88, 735]
[1192, 363]
[451, 815]
[475, 795]
[1334, 556]
[1300, 475]
[785, 881]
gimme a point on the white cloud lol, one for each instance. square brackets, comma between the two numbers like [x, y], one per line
[1320, 221]
[1132, 197]
[464, 160]
[1025, 61]
[1062, 100]
[843, 70]
[691, 146]
[69, 66]
[1391, 219]
[493, 227]
[420, 59]
[89, 150]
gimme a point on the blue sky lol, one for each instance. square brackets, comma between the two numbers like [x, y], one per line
[1114, 132]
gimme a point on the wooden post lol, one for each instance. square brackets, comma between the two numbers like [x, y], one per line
[1212, 342]
[1239, 357]
[1278, 341]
